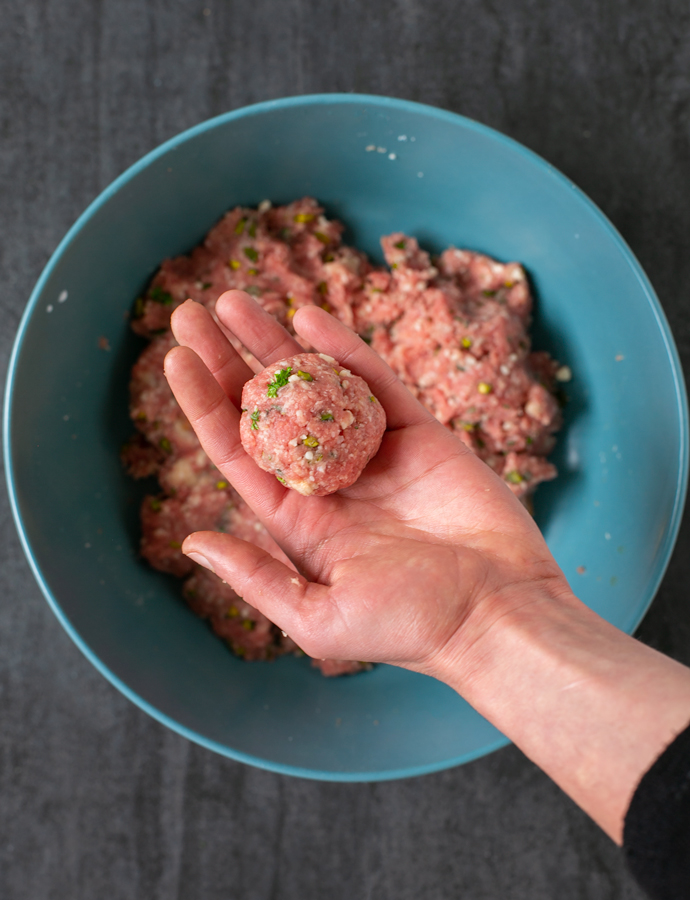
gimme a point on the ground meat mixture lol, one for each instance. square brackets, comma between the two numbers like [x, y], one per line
[311, 423]
[454, 328]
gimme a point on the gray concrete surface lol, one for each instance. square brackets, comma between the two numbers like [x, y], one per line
[98, 800]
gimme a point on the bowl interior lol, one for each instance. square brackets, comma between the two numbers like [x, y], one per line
[610, 518]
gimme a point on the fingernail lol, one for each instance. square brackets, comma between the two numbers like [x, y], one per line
[201, 560]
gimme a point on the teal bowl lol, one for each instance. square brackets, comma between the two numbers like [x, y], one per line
[611, 518]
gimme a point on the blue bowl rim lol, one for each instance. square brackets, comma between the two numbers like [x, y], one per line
[257, 109]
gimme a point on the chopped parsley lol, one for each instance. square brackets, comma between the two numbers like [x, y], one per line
[251, 231]
[514, 477]
[304, 217]
[281, 479]
[251, 253]
[279, 381]
[322, 287]
[239, 228]
[206, 285]
[160, 296]
[165, 445]
[234, 264]
[255, 420]
[221, 485]
[326, 417]
[310, 441]
[400, 245]
[322, 237]
[175, 545]
[305, 376]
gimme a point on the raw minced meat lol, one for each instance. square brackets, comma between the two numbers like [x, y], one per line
[311, 423]
[454, 328]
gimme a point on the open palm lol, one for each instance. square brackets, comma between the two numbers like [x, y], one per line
[427, 545]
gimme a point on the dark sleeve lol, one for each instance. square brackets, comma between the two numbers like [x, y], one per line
[656, 835]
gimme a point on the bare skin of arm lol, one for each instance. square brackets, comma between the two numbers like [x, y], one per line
[430, 563]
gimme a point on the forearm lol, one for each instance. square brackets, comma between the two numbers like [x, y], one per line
[589, 705]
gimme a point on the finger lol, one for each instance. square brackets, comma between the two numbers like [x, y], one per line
[330, 336]
[300, 607]
[260, 333]
[193, 327]
[216, 423]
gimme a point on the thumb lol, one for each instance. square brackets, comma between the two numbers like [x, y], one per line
[281, 594]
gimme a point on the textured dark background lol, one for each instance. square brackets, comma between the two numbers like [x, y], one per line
[98, 800]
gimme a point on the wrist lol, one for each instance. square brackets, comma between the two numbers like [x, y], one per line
[497, 627]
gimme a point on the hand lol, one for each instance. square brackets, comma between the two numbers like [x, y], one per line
[428, 562]
[391, 569]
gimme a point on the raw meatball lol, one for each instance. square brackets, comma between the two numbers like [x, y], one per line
[311, 423]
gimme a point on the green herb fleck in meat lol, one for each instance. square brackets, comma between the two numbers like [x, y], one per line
[310, 441]
[255, 420]
[281, 479]
[175, 545]
[248, 624]
[305, 376]
[234, 264]
[165, 445]
[221, 485]
[304, 217]
[160, 296]
[251, 253]
[138, 308]
[514, 477]
[322, 237]
[155, 505]
[254, 290]
[322, 287]
[326, 417]
[251, 231]
[466, 343]
[489, 293]
[400, 245]
[484, 387]
[206, 285]
[239, 228]
[279, 381]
